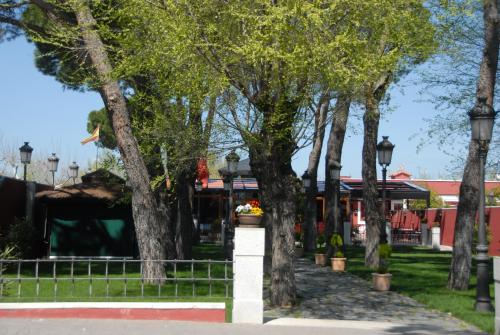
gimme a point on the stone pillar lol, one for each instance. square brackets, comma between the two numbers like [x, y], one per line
[496, 277]
[436, 238]
[347, 233]
[248, 269]
[423, 233]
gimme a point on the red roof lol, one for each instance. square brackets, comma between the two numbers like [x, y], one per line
[401, 174]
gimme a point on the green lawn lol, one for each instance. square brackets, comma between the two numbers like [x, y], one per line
[422, 274]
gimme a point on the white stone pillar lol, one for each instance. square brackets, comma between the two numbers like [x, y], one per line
[436, 238]
[347, 233]
[496, 277]
[423, 233]
[388, 232]
[248, 269]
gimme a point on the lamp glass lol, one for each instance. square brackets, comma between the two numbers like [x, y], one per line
[73, 170]
[306, 180]
[384, 151]
[53, 163]
[232, 160]
[25, 152]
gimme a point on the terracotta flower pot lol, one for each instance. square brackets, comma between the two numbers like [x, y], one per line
[320, 259]
[338, 264]
[381, 281]
[249, 220]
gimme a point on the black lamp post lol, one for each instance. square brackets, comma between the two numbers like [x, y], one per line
[306, 181]
[25, 151]
[384, 151]
[335, 168]
[232, 160]
[53, 163]
[482, 118]
[198, 186]
[73, 171]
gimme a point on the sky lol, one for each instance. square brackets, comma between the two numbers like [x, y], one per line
[36, 108]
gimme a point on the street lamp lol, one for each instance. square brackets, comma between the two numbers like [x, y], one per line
[232, 160]
[53, 163]
[25, 151]
[198, 186]
[482, 118]
[306, 181]
[334, 168]
[384, 151]
[73, 171]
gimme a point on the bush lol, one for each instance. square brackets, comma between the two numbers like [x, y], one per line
[20, 239]
[337, 243]
[384, 253]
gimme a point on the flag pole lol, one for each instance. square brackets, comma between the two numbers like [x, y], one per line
[97, 155]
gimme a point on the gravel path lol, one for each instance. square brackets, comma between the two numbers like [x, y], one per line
[324, 294]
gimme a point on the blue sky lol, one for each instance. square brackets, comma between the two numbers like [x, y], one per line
[36, 108]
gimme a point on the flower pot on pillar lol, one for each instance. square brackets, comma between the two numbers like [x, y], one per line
[249, 220]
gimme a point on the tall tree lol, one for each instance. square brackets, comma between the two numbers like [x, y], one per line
[469, 193]
[150, 231]
[309, 225]
[334, 154]
[374, 94]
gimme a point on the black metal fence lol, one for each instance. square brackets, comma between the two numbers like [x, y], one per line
[112, 279]
[406, 237]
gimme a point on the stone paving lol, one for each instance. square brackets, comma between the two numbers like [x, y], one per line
[324, 294]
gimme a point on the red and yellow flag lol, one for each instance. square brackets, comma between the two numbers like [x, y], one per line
[93, 138]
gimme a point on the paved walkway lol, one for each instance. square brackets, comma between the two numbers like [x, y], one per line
[324, 294]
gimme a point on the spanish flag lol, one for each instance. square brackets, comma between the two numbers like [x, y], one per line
[93, 138]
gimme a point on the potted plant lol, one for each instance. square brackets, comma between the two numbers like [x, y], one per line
[382, 278]
[338, 260]
[299, 246]
[320, 255]
[249, 215]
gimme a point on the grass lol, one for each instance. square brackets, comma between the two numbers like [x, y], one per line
[112, 287]
[422, 274]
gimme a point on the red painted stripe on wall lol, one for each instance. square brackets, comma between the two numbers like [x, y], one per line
[205, 315]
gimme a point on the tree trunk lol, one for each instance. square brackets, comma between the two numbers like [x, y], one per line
[309, 225]
[334, 153]
[184, 222]
[271, 163]
[369, 173]
[278, 190]
[151, 232]
[461, 262]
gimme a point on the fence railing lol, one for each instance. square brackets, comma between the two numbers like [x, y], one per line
[398, 237]
[406, 237]
[111, 278]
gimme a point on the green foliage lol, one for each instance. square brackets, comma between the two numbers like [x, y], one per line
[106, 134]
[337, 243]
[21, 239]
[320, 244]
[384, 253]
[435, 200]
